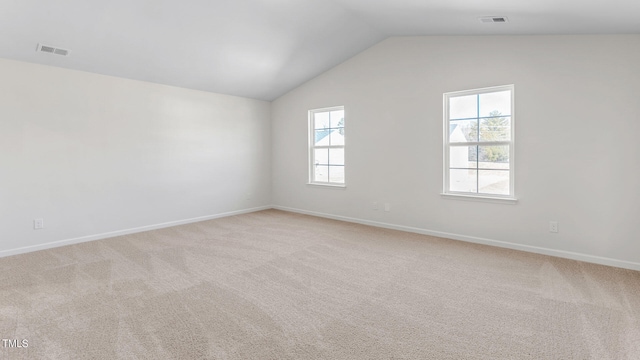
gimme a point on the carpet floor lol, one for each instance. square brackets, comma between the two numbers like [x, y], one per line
[278, 285]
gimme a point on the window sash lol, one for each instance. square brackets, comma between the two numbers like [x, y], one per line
[448, 145]
[313, 147]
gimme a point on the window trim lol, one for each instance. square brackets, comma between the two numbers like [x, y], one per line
[312, 147]
[446, 192]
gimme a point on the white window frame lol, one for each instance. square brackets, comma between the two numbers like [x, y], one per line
[511, 198]
[312, 147]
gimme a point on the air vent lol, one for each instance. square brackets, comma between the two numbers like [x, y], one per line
[62, 52]
[47, 49]
[494, 19]
[52, 50]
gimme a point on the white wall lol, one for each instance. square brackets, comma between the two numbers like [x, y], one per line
[93, 154]
[577, 140]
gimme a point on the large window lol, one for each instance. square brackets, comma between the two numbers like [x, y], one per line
[478, 142]
[326, 146]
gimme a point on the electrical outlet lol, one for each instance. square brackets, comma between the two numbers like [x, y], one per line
[38, 224]
[374, 205]
[553, 226]
[387, 207]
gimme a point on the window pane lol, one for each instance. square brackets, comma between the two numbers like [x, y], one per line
[495, 103]
[321, 120]
[463, 156]
[495, 129]
[494, 182]
[463, 131]
[337, 118]
[321, 173]
[336, 156]
[321, 157]
[322, 137]
[336, 174]
[327, 145]
[463, 180]
[493, 157]
[337, 137]
[463, 107]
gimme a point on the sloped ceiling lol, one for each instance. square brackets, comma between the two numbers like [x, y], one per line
[263, 48]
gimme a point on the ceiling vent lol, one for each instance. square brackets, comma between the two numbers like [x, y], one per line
[52, 50]
[494, 19]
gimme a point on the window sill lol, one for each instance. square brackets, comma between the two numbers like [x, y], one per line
[481, 198]
[330, 186]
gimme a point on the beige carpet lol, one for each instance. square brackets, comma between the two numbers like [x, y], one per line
[277, 285]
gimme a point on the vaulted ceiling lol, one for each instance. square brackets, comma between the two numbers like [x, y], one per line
[263, 48]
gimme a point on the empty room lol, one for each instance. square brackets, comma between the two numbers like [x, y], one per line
[345, 179]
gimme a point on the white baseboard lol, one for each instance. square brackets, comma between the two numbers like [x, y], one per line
[472, 239]
[110, 234]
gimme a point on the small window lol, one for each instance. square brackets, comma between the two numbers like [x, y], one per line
[478, 142]
[326, 146]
